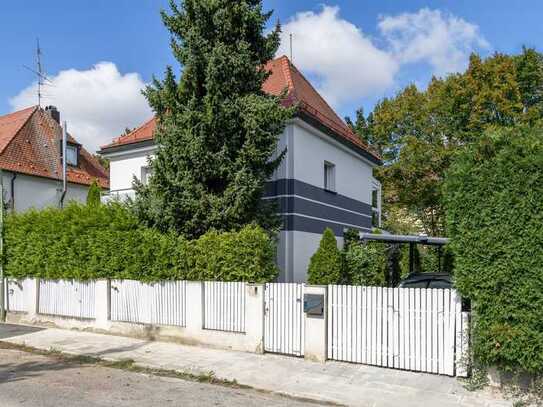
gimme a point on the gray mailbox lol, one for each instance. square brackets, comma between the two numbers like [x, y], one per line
[314, 304]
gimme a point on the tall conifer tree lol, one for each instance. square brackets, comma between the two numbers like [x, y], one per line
[217, 130]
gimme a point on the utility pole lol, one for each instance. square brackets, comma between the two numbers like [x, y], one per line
[2, 281]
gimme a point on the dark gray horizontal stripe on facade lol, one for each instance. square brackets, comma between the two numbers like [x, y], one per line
[297, 205]
[286, 186]
[302, 224]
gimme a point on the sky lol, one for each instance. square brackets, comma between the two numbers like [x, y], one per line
[99, 55]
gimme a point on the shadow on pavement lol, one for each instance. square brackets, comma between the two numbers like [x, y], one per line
[11, 330]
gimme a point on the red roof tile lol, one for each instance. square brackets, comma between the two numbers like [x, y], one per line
[284, 76]
[30, 144]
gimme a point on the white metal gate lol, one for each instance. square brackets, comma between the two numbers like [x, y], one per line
[284, 318]
[69, 298]
[403, 328]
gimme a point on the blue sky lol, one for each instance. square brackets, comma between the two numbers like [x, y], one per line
[354, 51]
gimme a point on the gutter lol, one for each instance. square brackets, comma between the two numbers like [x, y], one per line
[64, 168]
[12, 186]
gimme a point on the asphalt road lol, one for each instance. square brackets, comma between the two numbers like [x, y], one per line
[27, 379]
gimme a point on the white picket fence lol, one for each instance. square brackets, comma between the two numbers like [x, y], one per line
[67, 298]
[403, 328]
[284, 318]
[224, 306]
[14, 299]
[161, 303]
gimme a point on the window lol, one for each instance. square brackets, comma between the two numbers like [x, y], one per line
[72, 153]
[376, 204]
[146, 173]
[329, 176]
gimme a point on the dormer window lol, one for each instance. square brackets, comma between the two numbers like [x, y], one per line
[72, 155]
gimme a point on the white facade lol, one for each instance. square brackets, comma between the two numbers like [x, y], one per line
[298, 186]
[308, 150]
[27, 191]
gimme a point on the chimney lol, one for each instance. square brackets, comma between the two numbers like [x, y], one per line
[53, 112]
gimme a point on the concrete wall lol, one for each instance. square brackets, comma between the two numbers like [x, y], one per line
[38, 192]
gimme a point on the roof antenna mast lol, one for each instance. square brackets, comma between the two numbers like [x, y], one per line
[39, 70]
[290, 35]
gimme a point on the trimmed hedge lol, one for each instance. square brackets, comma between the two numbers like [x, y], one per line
[106, 241]
[494, 201]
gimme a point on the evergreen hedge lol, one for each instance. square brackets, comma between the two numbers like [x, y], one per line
[106, 241]
[494, 201]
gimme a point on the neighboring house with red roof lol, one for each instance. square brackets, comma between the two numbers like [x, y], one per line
[31, 160]
[325, 180]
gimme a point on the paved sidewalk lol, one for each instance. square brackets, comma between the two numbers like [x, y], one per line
[343, 383]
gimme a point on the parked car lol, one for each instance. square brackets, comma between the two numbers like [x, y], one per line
[427, 280]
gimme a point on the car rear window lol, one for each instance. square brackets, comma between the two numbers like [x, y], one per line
[440, 284]
[415, 284]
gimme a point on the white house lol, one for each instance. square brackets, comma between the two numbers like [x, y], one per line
[30, 157]
[325, 179]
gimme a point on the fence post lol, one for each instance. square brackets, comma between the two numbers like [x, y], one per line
[195, 306]
[316, 328]
[102, 303]
[254, 315]
[31, 291]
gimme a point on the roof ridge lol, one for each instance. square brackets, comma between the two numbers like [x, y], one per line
[318, 95]
[118, 138]
[24, 122]
[286, 66]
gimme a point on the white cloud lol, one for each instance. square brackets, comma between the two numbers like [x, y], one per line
[443, 40]
[98, 103]
[345, 60]
[350, 65]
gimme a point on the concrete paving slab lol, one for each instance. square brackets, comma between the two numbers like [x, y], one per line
[344, 383]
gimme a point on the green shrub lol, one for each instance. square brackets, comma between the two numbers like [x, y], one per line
[94, 194]
[106, 241]
[325, 265]
[494, 201]
[366, 263]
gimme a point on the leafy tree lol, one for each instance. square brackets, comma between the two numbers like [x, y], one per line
[217, 130]
[94, 194]
[325, 265]
[494, 202]
[420, 132]
[361, 126]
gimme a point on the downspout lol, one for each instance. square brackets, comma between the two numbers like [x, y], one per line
[64, 150]
[12, 183]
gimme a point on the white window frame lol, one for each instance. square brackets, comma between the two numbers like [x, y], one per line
[377, 210]
[329, 176]
[145, 173]
[72, 152]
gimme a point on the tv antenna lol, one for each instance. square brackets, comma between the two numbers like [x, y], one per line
[43, 80]
[290, 36]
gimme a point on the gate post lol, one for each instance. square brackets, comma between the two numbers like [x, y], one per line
[102, 306]
[195, 307]
[254, 316]
[316, 328]
[31, 291]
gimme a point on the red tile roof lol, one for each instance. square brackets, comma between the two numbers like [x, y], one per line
[30, 144]
[284, 76]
